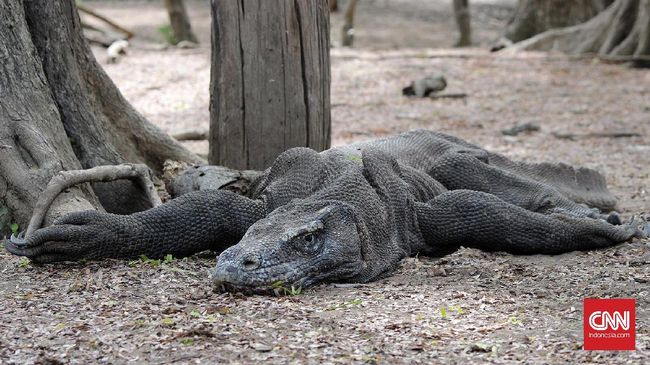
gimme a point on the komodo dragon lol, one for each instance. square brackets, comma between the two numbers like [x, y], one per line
[350, 214]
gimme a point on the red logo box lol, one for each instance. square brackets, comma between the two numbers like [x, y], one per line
[609, 324]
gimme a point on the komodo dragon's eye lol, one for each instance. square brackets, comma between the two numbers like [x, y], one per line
[307, 238]
[308, 242]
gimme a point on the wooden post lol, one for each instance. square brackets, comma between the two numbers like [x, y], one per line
[270, 80]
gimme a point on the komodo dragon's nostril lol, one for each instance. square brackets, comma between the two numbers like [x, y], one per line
[251, 262]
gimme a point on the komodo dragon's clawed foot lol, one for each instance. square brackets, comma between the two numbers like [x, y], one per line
[85, 234]
[16, 243]
[642, 227]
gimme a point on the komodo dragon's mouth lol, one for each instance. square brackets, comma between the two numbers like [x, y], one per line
[277, 290]
[234, 282]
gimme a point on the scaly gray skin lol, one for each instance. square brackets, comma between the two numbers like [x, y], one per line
[350, 214]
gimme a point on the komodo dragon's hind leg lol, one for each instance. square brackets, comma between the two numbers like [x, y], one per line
[471, 172]
[194, 222]
[482, 220]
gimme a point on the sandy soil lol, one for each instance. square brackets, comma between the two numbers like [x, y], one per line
[469, 307]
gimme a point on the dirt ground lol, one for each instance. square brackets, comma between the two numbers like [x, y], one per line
[469, 307]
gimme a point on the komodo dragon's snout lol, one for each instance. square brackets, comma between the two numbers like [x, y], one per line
[296, 246]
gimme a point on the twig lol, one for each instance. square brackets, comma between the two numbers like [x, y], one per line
[519, 128]
[66, 179]
[448, 96]
[191, 135]
[129, 34]
[412, 117]
[573, 137]
[92, 27]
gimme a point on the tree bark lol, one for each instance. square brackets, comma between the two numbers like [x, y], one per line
[270, 80]
[60, 111]
[532, 17]
[33, 143]
[180, 22]
[463, 19]
[620, 31]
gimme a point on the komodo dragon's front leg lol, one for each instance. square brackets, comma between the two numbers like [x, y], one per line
[481, 220]
[194, 222]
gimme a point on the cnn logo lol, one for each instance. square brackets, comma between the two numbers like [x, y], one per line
[609, 324]
[602, 321]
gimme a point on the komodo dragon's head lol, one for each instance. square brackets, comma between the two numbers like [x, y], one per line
[296, 246]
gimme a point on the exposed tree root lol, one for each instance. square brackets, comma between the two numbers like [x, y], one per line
[191, 135]
[532, 17]
[621, 30]
[66, 179]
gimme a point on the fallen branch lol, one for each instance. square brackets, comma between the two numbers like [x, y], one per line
[66, 179]
[354, 105]
[573, 137]
[623, 59]
[448, 96]
[412, 117]
[519, 128]
[405, 56]
[129, 34]
[191, 135]
[92, 27]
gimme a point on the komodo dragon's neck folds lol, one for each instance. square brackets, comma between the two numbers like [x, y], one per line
[350, 214]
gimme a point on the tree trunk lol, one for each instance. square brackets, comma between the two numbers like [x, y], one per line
[532, 17]
[463, 19]
[180, 22]
[347, 32]
[60, 111]
[622, 31]
[270, 80]
[334, 5]
[33, 143]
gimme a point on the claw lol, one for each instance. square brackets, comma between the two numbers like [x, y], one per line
[18, 240]
[16, 244]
